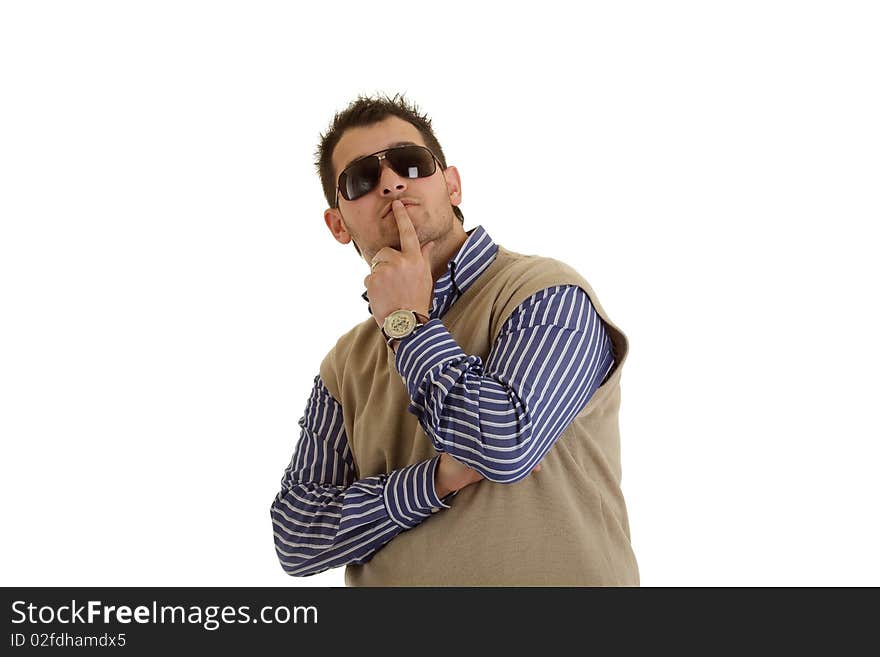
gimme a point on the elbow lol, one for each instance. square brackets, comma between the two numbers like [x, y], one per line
[291, 561]
[511, 478]
[293, 564]
[506, 477]
[509, 471]
[289, 565]
[513, 467]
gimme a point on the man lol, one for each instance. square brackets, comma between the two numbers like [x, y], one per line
[466, 433]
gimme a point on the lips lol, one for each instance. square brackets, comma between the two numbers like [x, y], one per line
[406, 203]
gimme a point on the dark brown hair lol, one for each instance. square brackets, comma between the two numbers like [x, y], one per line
[366, 111]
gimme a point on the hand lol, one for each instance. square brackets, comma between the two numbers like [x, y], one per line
[454, 475]
[404, 278]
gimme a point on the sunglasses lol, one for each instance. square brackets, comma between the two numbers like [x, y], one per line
[362, 176]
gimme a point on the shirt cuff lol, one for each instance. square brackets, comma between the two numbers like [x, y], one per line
[425, 350]
[410, 494]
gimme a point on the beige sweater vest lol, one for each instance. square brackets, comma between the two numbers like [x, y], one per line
[564, 526]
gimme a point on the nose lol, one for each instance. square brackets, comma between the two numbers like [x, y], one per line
[389, 181]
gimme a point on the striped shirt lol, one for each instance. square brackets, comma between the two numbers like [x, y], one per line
[499, 418]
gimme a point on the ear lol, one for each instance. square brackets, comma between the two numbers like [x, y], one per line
[334, 222]
[453, 184]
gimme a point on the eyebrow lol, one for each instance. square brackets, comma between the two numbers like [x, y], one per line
[394, 145]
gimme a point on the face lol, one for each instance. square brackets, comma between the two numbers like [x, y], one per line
[368, 220]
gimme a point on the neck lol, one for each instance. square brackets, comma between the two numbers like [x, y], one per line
[444, 251]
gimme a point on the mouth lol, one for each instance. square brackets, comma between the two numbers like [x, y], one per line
[406, 203]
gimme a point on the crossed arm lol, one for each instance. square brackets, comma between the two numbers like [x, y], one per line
[500, 419]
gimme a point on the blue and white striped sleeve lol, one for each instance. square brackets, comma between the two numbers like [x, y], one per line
[322, 517]
[500, 419]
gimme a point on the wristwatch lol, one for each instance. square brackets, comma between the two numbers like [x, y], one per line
[402, 323]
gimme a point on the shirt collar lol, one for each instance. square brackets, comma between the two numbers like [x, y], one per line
[472, 259]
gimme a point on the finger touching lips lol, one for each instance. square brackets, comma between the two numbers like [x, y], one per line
[406, 203]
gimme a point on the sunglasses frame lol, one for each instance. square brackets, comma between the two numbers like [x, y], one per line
[381, 155]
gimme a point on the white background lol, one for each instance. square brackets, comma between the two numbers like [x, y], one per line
[168, 287]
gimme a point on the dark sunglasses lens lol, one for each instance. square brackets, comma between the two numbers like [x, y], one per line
[412, 161]
[359, 178]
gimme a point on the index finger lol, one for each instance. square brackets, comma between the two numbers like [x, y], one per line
[409, 240]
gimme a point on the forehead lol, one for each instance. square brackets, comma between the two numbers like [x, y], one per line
[363, 140]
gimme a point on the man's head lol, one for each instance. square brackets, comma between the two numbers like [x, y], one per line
[369, 125]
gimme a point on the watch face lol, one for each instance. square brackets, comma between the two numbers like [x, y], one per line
[400, 323]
